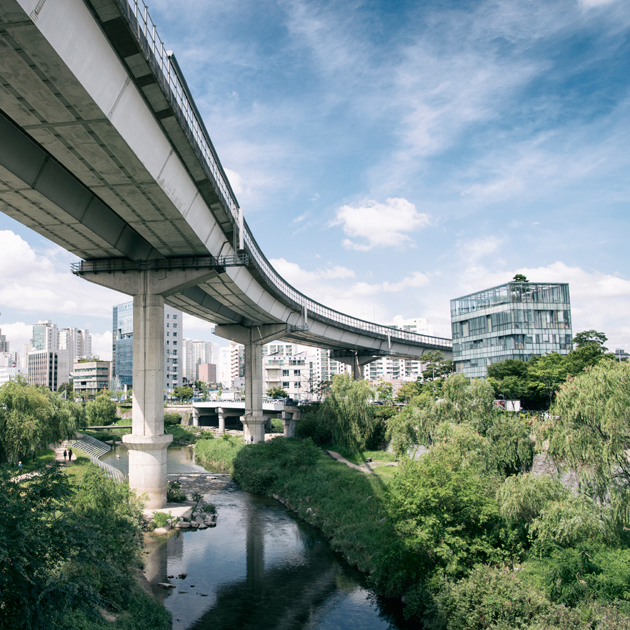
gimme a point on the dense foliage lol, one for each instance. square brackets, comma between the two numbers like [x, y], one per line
[69, 549]
[463, 529]
[537, 381]
[33, 417]
[102, 410]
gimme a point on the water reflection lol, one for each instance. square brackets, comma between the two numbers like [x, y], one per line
[260, 568]
[180, 459]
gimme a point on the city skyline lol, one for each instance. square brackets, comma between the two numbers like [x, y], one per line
[391, 159]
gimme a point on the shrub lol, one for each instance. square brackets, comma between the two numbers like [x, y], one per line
[161, 518]
[171, 419]
[174, 493]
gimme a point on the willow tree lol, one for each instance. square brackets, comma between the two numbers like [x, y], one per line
[590, 426]
[348, 412]
[31, 418]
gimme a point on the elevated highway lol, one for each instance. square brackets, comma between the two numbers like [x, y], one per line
[103, 151]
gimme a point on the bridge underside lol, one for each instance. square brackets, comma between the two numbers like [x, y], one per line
[95, 157]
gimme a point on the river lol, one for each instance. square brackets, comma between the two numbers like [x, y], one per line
[259, 568]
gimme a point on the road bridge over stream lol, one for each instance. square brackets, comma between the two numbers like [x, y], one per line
[103, 151]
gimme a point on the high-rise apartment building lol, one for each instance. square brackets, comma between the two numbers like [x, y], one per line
[45, 336]
[122, 345]
[513, 321]
[194, 354]
[77, 341]
[91, 377]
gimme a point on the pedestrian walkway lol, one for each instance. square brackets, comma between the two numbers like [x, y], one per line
[343, 460]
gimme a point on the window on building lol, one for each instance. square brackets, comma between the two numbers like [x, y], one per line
[285, 383]
[296, 372]
[174, 343]
[174, 334]
[174, 316]
[174, 325]
[167, 316]
[168, 334]
[285, 372]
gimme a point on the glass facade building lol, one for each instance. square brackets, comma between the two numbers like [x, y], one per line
[512, 321]
[122, 345]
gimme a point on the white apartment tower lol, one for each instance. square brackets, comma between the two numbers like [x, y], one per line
[77, 341]
[194, 354]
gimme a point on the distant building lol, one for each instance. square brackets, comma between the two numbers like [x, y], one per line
[90, 377]
[45, 336]
[77, 342]
[207, 372]
[49, 368]
[122, 345]
[4, 344]
[513, 321]
[195, 353]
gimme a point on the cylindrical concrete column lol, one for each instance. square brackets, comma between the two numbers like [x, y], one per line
[221, 420]
[253, 419]
[288, 423]
[147, 443]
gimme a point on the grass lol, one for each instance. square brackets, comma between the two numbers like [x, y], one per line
[219, 453]
[360, 457]
[181, 432]
[42, 458]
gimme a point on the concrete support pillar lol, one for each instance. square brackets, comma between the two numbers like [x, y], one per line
[288, 422]
[354, 359]
[253, 338]
[221, 420]
[253, 419]
[147, 443]
[195, 418]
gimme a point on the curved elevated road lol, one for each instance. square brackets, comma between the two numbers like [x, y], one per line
[103, 151]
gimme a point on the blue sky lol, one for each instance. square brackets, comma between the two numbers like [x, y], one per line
[390, 155]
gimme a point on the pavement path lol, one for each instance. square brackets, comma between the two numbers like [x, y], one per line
[343, 460]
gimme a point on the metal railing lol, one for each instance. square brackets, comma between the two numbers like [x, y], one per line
[176, 91]
[96, 449]
[109, 265]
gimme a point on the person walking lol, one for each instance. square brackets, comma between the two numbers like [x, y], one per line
[69, 455]
[65, 454]
[20, 467]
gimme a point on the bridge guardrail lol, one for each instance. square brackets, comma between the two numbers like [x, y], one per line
[137, 14]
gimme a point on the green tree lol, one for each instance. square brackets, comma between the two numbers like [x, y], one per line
[519, 277]
[589, 427]
[183, 393]
[277, 393]
[385, 392]
[591, 338]
[101, 411]
[408, 391]
[66, 388]
[32, 417]
[547, 374]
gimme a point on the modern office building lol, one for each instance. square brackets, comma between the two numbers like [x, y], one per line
[45, 336]
[91, 377]
[48, 368]
[513, 321]
[122, 345]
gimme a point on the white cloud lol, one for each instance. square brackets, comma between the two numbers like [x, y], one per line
[474, 250]
[18, 334]
[381, 224]
[589, 4]
[102, 345]
[330, 286]
[42, 282]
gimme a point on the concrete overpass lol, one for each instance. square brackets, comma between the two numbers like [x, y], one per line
[221, 411]
[103, 151]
